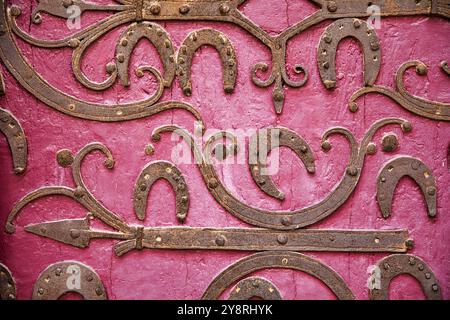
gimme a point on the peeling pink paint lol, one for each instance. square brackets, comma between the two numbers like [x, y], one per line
[309, 111]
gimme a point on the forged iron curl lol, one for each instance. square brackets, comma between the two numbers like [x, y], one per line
[286, 220]
[283, 260]
[17, 141]
[224, 11]
[425, 108]
[395, 170]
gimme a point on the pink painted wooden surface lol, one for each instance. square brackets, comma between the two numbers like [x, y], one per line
[309, 111]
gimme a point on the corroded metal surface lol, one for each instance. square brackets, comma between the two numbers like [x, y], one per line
[224, 47]
[420, 106]
[326, 52]
[2, 84]
[398, 168]
[255, 287]
[287, 220]
[141, 12]
[149, 175]
[69, 276]
[397, 264]
[7, 284]
[277, 260]
[78, 233]
[264, 141]
[17, 141]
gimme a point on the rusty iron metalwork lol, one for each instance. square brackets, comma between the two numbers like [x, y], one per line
[277, 260]
[389, 142]
[69, 276]
[340, 29]
[397, 264]
[286, 220]
[445, 67]
[16, 138]
[255, 287]
[7, 284]
[77, 232]
[260, 145]
[425, 108]
[143, 15]
[149, 175]
[398, 168]
[224, 47]
[2, 85]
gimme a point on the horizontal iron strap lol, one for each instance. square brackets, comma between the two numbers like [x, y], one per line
[263, 239]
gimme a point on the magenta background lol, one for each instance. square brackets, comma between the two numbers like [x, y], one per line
[309, 111]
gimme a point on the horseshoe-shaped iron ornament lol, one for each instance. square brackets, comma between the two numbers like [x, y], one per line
[398, 168]
[278, 260]
[340, 29]
[265, 140]
[397, 264]
[149, 175]
[255, 287]
[69, 276]
[158, 37]
[221, 43]
[17, 142]
[7, 284]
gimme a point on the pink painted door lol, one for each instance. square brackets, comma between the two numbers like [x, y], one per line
[100, 193]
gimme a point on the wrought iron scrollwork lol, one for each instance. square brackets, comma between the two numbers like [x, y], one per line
[12, 130]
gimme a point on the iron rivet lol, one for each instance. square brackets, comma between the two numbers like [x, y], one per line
[58, 271]
[73, 43]
[224, 8]
[415, 165]
[111, 67]
[327, 38]
[353, 107]
[278, 95]
[421, 69]
[284, 261]
[184, 199]
[213, 183]
[155, 8]
[332, 6]
[374, 45]
[303, 149]
[431, 191]
[120, 57]
[75, 233]
[149, 150]
[286, 221]
[41, 291]
[143, 187]
[435, 287]
[412, 261]
[357, 23]
[406, 126]
[389, 142]
[11, 296]
[184, 9]
[386, 266]
[326, 145]
[15, 11]
[326, 65]
[371, 148]
[64, 158]
[67, 3]
[90, 277]
[99, 291]
[79, 192]
[409, 244]
[427, 275]
[220, 241]
[124, 42]
[352, 171]
[421, 267]
[255, 283]
[282, 239]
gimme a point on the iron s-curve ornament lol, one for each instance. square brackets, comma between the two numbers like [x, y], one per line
[144, 16]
